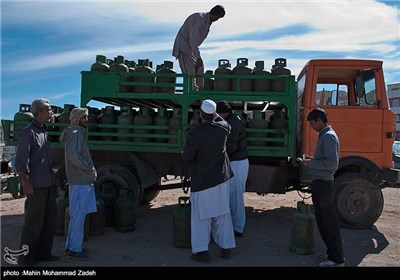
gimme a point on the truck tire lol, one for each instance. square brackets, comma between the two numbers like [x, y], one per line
[149, 194]
[358, 201]
[121, 177]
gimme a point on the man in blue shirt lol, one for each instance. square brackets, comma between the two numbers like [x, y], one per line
[322, 168]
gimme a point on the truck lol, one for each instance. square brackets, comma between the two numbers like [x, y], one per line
[138, 152]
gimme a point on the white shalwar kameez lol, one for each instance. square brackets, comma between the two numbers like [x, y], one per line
[210, 214]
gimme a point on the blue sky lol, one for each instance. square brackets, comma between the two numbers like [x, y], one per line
[45, 45]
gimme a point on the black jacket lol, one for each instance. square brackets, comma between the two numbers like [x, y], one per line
[205, 150]
[236, 146]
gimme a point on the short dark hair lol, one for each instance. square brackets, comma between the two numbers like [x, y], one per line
[223, 107]
[218, 11]
[317, 113]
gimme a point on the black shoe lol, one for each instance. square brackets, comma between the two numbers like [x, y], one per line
[48, 259]
[85, 250]
[203, 257]
[225, 253]
[238, 234]
[81, 256]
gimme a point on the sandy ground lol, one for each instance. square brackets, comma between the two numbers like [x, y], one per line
[265, 242]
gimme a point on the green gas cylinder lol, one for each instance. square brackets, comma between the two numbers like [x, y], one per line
[181, 224]
[279, 69]
[124, 212]
[100, 65]
[97, 219]
[224, 68]
[261, 84]
[167, 68]
[109, 195]
[13, 186]
[243, 70]
[63, 118]
[161, 119]
[208, 81]
[125, 118]
[258, 121]
[120, 67]
[302, 230]
[175, 123]
[24, 114]
[144, 67]
[62, 203]
[278, 121]
[108, 117]
[144, 118]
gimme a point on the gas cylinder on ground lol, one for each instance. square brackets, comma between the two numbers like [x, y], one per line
[208, 81]
[224, 68]
[279, 69]
[175, 123]
[13, 186]
[257, 122]
[143, 67]
[124, 212]
[97, 219]
[63, 118]
[261, 84]
[161, 119]
[302, 230]
[243, 70]
[25, 115]
[62, 203]
[100, 65]
[108, 117]
[125, 118]
[278, 121]
[144, 118]
[167, 68]
[181, 224]
[109, 195]
[86, 224]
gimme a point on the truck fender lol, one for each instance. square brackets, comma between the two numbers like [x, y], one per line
[361, 165]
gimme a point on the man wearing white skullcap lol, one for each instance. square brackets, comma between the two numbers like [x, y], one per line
[81, 176]
[205, 152]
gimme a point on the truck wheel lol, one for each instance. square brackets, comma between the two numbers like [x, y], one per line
[149, 194]
[359, 203]
[119, 176]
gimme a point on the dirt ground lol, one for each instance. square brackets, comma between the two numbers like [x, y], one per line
[265, 242]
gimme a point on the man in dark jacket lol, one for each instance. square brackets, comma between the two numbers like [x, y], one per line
[236, 147]
[205, 151]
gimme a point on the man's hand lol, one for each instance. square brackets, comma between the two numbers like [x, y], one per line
[304, 162]
[199, 62]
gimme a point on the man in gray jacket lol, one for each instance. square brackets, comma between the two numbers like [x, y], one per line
[81, 176]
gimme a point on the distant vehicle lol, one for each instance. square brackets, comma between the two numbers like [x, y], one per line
[396, 154]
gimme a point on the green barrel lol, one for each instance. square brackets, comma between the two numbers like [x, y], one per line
[124, 212]
[13, 186]
[62, 203]
[302, 230]
[181, 224]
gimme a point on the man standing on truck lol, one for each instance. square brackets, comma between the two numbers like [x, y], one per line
[205, 151]
[322, 168]
[81, 176]
[236, 147]
[33, 164]
[190, 36]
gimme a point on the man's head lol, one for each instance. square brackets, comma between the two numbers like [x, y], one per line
[208, 108]
[216, 13]
[79, 116]
[41, 110]
[223, 108]
[317, 118]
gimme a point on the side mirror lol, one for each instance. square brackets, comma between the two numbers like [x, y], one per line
[360, 90]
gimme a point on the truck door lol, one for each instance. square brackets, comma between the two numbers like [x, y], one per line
[356, 119]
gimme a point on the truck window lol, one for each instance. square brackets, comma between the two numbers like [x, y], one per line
[332, 95]
[369, 99]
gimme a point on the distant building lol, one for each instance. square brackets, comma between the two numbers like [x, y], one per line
[393, 93]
